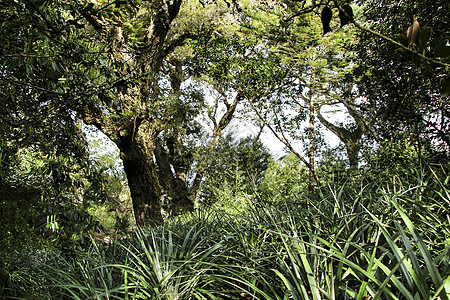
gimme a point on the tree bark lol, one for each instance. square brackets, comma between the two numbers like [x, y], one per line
[135, 125]
[175, 196]
[154, 187]
[351, 139]
[136, 150]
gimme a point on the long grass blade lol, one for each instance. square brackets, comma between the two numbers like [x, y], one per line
[431, 266]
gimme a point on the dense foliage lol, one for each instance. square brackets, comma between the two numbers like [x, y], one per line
[383, 240]
[407, 92]
[124, 173]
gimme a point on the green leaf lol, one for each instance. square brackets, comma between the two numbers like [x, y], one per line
[446, 87]
[401, 39]
[405, 53]
[424, 36]
[41, 3]
[429, 262]
[445, 285]
[287, 283]
[54, 66]
[442, 49]
[414, 266]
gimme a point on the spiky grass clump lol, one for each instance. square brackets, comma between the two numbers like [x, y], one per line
[386, 240]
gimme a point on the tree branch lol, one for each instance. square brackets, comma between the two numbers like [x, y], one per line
[177, 42]
[430, 60]
[283, 139]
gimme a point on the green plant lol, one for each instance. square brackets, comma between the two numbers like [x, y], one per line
[382, 240]
[163, 265]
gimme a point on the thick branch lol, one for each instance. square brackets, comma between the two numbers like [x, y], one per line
[362, 122]
[422, 56]
[342, 133]
[351, 139]
[217, 132]
[177, 42]
[165, 173]
[301, 12]
[225, 120]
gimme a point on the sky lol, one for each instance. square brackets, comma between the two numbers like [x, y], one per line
[100, 144]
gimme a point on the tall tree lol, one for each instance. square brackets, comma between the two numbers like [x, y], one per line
[272, 105]
[317, 73]
[131, 68]
[118, 65]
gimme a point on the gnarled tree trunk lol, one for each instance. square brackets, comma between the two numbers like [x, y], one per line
[137, 156]
[147, 116]
[137, 119]
[350, 138]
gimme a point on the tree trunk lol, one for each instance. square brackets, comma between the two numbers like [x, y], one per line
[224, 121]
[350, 138]
[353, 145]
[312, 140]
[175, 196]
[141, 181]
[137, 152]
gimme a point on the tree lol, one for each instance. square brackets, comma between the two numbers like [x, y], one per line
[403, 81]
[44, 165]
[271, 103]
[240, 163]
[351, 137]
[145, 107]
[285, 179]
[118, 66]
[317, 73]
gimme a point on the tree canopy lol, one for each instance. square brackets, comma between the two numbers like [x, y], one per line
[132, 161]
[144, 73]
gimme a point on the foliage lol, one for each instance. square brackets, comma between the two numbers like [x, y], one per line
[45, 171]
[404, 97]
[139, 71]
[51, 200]
[114, 210]
[115, 65]
[235, 171]
[285, 180]
[389, 240]
[315, 67]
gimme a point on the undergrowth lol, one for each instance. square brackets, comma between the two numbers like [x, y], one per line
[379, 240]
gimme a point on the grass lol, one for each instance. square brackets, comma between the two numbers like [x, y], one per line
[383, 240]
